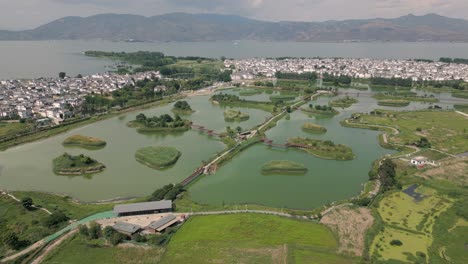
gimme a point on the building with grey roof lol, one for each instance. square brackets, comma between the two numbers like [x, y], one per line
[126, 228]
[163, 223]
[143, 208]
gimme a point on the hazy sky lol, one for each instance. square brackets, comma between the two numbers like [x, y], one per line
[25, 14]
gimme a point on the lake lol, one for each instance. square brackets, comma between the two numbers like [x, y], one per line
[33, 59]
[29, 166]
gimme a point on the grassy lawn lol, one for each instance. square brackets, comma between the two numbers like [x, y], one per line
[231, 115]
[27, 224]
[248, 238]
[10, 129]
[84, 141]
[65, 204]
[283, 166]
[158, 157]
[79, 250]
[314, 128]
[446, 131]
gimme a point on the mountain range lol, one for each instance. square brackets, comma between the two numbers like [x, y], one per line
[214, 27]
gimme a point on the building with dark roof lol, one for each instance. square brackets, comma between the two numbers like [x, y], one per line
[163, 223]
[143, 208]
[126, 228]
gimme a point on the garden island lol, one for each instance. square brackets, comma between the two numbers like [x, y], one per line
[396, 174]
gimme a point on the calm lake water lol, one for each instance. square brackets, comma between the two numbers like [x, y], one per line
[29, 167]
[31, 59]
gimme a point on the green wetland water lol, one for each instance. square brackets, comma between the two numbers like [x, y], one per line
[29, 167]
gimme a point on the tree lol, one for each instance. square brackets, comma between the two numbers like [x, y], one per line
[62, 75]
[107, 232]
[79, 76]
[387, 174]
[238, 129]
[94, 230]
[116, 238]
[27, 202]
[55, 219]
[83, 229]
[288, 109]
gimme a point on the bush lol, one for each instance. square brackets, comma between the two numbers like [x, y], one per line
[55, 219]
[83, 230]
[94, 230]
[396, 242]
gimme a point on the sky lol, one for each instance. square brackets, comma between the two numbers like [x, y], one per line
[28, 14]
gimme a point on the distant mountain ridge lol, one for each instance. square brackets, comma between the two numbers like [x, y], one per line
[214, 27]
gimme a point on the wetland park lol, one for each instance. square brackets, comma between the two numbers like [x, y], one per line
[319, 158]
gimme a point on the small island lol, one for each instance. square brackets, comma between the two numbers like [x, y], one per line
[394, 103]
[235, 116]
[250, 92]
[158, 157]
[164, 123]
[314, 128]
[343, 102]
[282, 98]
[321, 110]
[84, 142]
[67, 164]
[325, 149]
[283, 167]
[182, 108]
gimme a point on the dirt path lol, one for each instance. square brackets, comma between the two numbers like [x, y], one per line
[33, 247]
[52, 246]
[461, 113]
[18, 200]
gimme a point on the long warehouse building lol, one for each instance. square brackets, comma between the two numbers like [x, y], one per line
[143, 208]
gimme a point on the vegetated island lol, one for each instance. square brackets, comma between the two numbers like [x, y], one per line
[394, 103]
[463, 95]
[235, 116]
[67, 164]
[282, 98]
[405, 95]
[325, 149]
[235, 101]
[158, 157]
[314, 128]
[164, 123]
[320, 109]
[182, 108]
[343, 102]
[84, 142]
[283, 167]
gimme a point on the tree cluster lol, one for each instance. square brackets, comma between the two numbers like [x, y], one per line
[182, 105]
[164, 120]
[167, 192]
[55, 219]
[221, 97]
[454, 60]
[321, 107]
[392, 81]
[423, 142]
[387, 174]
[342, 79]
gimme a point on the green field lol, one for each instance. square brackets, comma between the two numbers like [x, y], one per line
[231, 115]
[12, 128]
[27, 224]
[343, 102]
[325, 149]
[76, 165]
[461, 107]
[158, 157]
[283, 166]
[445, 130]
[314, 128]
[66, 204]
[84, 141]
[394, 103]
[80, 250]
[251, 238]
